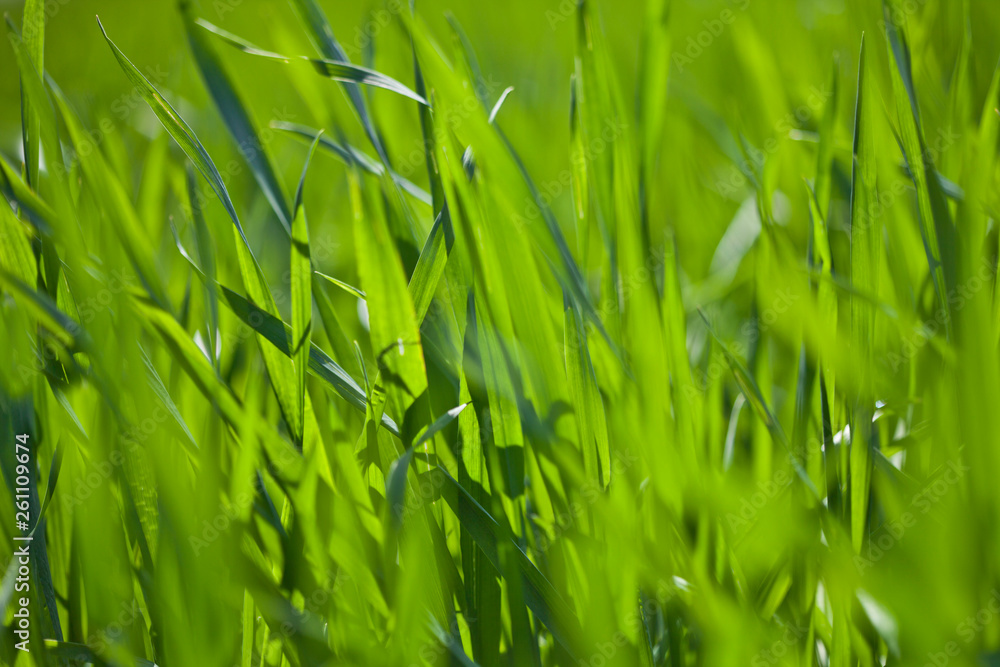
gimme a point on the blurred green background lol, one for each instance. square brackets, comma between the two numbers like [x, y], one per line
[764, 64]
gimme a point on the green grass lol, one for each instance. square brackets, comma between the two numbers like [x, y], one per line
[595, 335]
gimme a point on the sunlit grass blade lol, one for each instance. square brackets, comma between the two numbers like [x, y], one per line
[302, 302]
[587, 404]
[16, 256]
[936, 225]
[279, 369]
[206, 258]
[540, 596]
[394, 331]
[866, 235]
[17, 191]
[350, 289]
[277, 333]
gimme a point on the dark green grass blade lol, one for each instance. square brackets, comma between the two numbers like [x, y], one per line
[326, 369]
[351, 155]
[33, 34]
[238, 121]
[540, 596]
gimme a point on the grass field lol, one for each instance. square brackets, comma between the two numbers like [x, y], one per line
[573, 334]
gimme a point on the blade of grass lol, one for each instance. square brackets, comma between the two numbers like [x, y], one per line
[301, 263]
[279, 369]
[331, 69]
[238, 121]
[866, 234]
[936, 225]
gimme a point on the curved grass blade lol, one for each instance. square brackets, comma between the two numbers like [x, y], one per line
[280, 371]
[178, 129]
[326, 369]
[351, 155]
[70, 333]
[277, 333]
[431, 264]
[15, 252]
[50, 488]
[156, 384]
[241, 127]
[554, 245]
[18, 192]
[186, 353]
[321, 35]
[395, 482]
[344, 72]
[350, 289]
